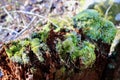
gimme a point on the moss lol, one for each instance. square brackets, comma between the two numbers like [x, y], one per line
[76, 49]
[94, 26]
[67, 45]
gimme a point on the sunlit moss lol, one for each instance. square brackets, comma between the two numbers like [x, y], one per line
[94, 26]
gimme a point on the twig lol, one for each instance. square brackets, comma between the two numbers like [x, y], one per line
[31, 13]
[106, 13]
[27, 27]
[24, 22]
[7, 13]
[50, 6]
[10, 30]
[36, 15]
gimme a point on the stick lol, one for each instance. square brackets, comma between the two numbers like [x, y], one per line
[7, 13]
[27, 27]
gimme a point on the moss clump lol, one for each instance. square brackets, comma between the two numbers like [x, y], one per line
[72, 46]
[65, 43]
[94, 26]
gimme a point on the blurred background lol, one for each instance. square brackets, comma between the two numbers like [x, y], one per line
[18, 17]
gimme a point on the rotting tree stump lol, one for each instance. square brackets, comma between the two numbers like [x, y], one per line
[14, 71]
[62, 63]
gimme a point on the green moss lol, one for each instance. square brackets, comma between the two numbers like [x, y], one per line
[35, 45]
[76, 49]
[42, 35]
[86, 54]
[70, 47]
[13, 49]
[94, 26]
[60, 23]
[25, 42]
